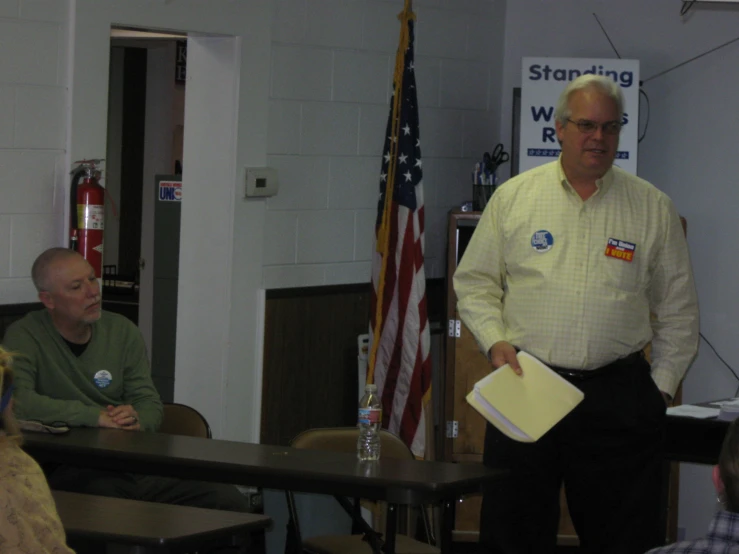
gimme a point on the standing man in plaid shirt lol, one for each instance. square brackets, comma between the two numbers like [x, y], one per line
[581, 264]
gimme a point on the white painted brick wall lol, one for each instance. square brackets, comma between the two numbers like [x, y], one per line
[331, 79]
[284, 129]
[325, 236]
[301, 73]
[347, 189]
[33, 127]
[303, 182]
[44, 10]
[329, 128]
[372, 125]
[282, 226]
[29, 52]
[5, 226]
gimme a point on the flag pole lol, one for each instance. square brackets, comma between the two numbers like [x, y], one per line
[383, 232]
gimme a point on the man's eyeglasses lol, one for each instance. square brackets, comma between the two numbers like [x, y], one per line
[588, 127]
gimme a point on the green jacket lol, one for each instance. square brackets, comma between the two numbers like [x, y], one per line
[53, 385]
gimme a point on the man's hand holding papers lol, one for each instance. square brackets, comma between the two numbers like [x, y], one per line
[524, 407]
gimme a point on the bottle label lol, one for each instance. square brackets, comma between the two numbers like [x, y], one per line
[369, 416]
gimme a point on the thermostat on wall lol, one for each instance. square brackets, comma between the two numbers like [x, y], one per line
[261, 181]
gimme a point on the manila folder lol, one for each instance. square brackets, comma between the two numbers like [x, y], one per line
[525, 407]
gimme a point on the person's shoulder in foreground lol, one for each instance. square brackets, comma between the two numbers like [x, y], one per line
[28, 518]
[723, 532]
[722, 538]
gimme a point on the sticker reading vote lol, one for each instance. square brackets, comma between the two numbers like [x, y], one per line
[620, 249]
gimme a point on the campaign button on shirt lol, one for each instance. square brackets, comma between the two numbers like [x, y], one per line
[542, 241]
[103, 378]
[620, 249]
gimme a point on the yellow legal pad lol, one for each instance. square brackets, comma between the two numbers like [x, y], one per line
[526, 407]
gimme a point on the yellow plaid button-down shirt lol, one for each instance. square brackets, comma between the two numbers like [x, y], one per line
[536, 274]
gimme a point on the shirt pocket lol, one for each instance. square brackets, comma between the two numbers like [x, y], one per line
[623, 275]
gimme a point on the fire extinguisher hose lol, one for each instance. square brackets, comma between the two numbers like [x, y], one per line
[73, 221]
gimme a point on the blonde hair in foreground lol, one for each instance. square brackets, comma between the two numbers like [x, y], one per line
[8, 426]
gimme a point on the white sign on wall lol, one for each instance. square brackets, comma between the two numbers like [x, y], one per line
[544, 79]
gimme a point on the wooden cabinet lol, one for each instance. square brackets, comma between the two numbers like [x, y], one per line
[464, 428]
[464, 364]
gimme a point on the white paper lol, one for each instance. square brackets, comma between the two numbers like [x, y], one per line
[729, 402]
[503, 419]
[688, 410]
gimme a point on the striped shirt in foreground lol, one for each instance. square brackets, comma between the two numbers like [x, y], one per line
[722, 538]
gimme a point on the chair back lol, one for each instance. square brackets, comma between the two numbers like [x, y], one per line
[180, 419]
[344, 439]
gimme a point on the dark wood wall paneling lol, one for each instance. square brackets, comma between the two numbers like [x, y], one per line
[11, 312]
[310, 356]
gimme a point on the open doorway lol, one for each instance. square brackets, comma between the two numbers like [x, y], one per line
[220, 300]
[146, 107]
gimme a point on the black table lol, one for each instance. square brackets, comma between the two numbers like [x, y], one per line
[150, 526]
[690, 440]
[393, 481]
[694, 440]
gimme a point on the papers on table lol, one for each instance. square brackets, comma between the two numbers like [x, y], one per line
[524, 408]
[729, 409]
[725, 410]
[728, 402]
[688, 410]
[38, 427]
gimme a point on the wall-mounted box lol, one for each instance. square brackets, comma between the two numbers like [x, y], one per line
[261, 181]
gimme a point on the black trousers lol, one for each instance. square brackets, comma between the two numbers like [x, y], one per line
[167, 490]
[608, 454]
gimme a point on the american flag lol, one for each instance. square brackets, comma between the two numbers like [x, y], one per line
[399, 332]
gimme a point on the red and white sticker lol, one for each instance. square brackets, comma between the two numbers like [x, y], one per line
[170, 191]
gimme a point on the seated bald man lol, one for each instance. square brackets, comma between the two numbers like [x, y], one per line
[87, 367]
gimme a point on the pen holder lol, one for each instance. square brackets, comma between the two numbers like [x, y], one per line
[481, 194]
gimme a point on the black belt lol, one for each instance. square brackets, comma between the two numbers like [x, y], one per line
[584, 374]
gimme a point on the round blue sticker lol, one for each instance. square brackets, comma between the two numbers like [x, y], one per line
[542, 241]
[103, 378]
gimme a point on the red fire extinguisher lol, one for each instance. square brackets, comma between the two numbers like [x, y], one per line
[87, 213]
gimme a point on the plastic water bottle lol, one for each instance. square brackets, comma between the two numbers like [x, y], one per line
[369, 421]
